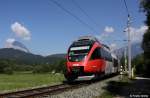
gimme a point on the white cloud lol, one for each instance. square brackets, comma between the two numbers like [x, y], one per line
[9, 42]
[21, 31]
[137, 33]
[103, 36]
[109, 29]
[113, 46]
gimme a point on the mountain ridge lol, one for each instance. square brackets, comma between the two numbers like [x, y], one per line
[30, 58]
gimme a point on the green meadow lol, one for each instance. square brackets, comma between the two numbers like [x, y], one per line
[19, 81]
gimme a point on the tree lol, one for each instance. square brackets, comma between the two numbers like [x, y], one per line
[62, 66]
[145, 5]
[6, 66]
[138, 63]
[122, 62]
[8, 70]
[45, 68]
[3, 64]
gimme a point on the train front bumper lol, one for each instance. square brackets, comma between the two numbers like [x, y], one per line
[80, 69]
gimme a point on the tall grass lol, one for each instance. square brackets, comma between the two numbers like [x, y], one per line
[26, 80]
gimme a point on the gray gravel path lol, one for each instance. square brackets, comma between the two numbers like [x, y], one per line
[90, 91]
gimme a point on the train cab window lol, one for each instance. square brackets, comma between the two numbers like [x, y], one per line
[96, 54]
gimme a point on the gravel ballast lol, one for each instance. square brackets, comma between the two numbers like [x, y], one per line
[90, 91]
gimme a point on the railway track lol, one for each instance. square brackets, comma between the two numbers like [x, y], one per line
[49, 90]
[36, 92]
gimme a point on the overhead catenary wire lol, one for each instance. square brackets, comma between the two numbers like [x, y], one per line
[126, 7]
[73, 15]
[84, 12]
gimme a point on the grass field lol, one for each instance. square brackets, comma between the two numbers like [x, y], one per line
[26, 80]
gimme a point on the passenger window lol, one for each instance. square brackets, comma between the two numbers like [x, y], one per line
[96, 54]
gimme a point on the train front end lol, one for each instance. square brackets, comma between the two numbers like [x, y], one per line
[77, 58]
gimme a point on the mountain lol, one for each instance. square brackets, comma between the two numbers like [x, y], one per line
[135, 50]
[16, 45]
[20, 46]
[20, 56]
[23, 57]
[62, 55]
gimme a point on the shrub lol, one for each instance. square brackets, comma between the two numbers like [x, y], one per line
[8, 70]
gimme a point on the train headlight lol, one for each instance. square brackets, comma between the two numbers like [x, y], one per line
[75, 65]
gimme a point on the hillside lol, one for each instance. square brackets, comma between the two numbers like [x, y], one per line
[62, 55]
[135, 50]
[28, 58]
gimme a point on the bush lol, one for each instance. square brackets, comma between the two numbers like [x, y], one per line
[138, 63]
[8, 70]
[42, 69]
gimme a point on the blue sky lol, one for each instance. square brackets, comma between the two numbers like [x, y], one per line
[52, 30]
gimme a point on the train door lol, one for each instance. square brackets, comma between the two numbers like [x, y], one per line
[95, 61]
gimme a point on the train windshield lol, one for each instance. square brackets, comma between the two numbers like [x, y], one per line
[77, 54]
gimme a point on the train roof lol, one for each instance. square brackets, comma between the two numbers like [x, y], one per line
[90, 38]
[105, 46]
[84, 40]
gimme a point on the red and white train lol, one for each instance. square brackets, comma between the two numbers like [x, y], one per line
[87, 56]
